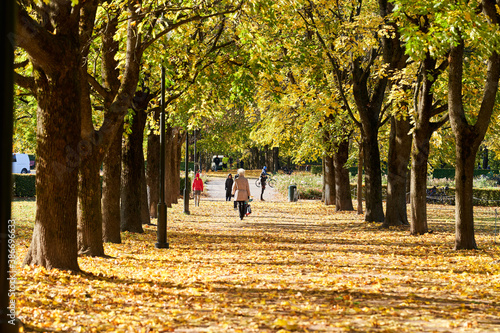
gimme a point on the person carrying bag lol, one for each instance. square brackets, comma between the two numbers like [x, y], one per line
[241, 192]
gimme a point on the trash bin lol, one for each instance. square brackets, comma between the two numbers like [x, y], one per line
[292, 190]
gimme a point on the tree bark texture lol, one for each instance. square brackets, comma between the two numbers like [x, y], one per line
[329, 180]
[111, 220]
[132, 169]
[152, 173]
[359, 188]
[464, 207]
[418, 185]
[180, 139]
[276, 159]
[54, 241]
[145, 218]
[373, 178]
[169, 163]
[90, 237]
[91, 151]
[57, 89]
[323, 189]
[343, 200]
[398, 160]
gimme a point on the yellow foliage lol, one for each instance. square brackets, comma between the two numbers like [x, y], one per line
[288, 267]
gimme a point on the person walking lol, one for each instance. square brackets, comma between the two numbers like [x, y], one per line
[235, 202]
[241, 192]
[263, 180]
[216, 162]
[229, 187]
[197, 189]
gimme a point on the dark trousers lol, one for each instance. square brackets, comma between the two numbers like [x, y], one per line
[228, 196]
[242, 208]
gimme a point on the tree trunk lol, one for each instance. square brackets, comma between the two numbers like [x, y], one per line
[111, 170]
[469, 137]
[177, 164]
[373, 177]
[329, 180]
[464, 207]
[145, 218]
[399, 157]
[343, 200]
[485, 158]
[90, 235]
[169, 165]
[173, 155]
[418, 186]
[422, 133]
[91, 152]
[276, 159]
[54, 241]
[359, 189]
[323, 189]
[152, 173]
[132, 169]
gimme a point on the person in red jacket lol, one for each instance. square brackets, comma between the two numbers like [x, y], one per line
[197, 189]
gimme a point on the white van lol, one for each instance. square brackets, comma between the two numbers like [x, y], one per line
[20, 163]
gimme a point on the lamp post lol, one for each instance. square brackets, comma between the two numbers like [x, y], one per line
[8, 322]
[161, 231]
[186, 179]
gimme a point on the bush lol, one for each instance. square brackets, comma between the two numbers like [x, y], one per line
[24, 185]
[486, 197]
[183, 183]
[311, 194]
[316, 169]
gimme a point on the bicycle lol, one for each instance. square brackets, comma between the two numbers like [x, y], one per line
[270, 182]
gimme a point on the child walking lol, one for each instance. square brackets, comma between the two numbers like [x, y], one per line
[197, 189]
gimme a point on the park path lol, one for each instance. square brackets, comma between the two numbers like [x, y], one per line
[215, 190]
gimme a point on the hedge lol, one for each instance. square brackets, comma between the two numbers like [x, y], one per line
[24, 185]
[450, 173]
[182, 184]
[481, 197]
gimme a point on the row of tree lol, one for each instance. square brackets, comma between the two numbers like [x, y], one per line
[355, 66]
[304, 77]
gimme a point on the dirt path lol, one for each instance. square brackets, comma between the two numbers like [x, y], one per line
[215, 190]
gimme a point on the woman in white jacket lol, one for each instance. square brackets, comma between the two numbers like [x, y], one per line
[241, 192]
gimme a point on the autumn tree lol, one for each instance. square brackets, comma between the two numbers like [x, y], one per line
[354, 44]
[53, 44]
[428, 105]
[465, 25]
[56, 37]
[470, 121]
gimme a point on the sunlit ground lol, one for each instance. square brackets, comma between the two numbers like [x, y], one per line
[289, 267]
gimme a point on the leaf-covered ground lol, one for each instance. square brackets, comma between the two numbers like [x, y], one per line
[289, 267]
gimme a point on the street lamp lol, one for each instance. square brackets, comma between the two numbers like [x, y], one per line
[161, 231]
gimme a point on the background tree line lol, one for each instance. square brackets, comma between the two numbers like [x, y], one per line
[302, 79]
